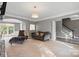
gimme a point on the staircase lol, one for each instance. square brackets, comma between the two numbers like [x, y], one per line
[72, 25]
[67, 32]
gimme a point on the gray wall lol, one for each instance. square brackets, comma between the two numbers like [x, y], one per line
[27, 24]
[59, 29]
[17, 27]
[44, 26]
[47, 26]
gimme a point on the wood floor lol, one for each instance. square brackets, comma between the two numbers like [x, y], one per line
[36, 48]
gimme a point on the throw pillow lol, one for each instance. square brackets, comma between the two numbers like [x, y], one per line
[41, 34]
[37, 33]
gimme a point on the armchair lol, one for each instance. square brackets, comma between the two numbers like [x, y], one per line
[20, 39]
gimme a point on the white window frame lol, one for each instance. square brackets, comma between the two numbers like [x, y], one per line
[32, 26]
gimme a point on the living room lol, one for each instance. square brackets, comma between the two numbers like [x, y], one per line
[32, 29]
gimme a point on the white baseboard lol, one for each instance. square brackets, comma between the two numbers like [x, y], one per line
[60, 37]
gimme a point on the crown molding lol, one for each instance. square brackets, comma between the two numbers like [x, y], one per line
[60, 15]
[46, 18]
[18, 17]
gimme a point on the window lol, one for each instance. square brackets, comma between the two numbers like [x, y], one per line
[6, 28]
[32, 26]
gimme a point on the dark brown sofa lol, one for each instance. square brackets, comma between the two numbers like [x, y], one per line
[41, 35]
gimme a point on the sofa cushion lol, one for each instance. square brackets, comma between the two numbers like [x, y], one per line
[37, 33]
[41, 34]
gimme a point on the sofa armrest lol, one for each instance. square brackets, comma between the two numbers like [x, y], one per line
[33, 34]
[47, 36]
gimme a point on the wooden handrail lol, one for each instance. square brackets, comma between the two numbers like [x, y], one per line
[67, 27]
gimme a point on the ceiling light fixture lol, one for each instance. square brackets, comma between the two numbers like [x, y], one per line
[35, 14]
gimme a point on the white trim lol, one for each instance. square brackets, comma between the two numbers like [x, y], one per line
[60, 37]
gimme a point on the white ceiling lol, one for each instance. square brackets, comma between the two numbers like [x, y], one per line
[46, 10]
